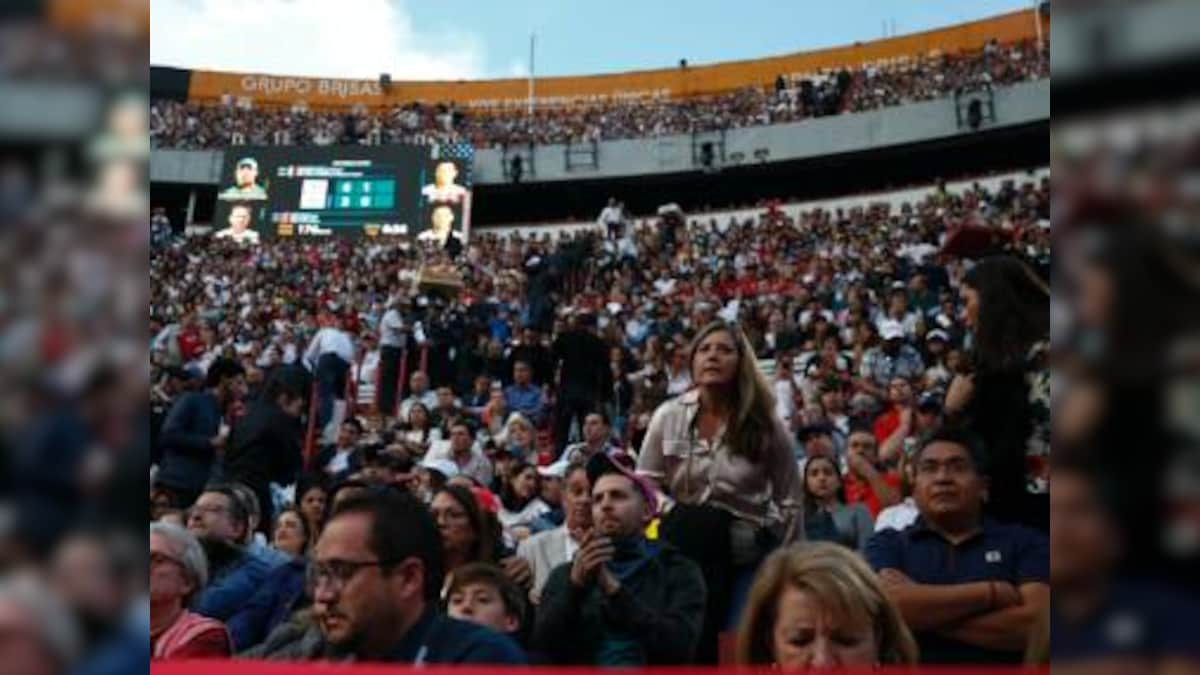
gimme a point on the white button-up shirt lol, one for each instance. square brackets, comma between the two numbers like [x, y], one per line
[391, 330]
[696, 471]
[330, 340]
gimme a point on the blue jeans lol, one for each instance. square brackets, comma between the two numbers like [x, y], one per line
[743, 577]
[331, 385]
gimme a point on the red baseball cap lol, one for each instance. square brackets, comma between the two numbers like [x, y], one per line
[486, 500]
[605, 463]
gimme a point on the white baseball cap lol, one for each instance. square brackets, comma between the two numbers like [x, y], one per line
[555, 470]
[443, 466]
[890, 329]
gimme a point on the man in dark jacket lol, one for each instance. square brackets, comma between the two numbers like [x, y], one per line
[343, 458]
[531, 350]
[584, 376]
[265, 445]
[191, 435]
[280, 594]
[219, 520]
[623, 600]
[377, 573]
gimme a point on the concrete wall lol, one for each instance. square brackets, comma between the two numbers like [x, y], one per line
[1020, 104]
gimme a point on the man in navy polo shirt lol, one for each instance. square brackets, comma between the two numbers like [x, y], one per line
[970, 588]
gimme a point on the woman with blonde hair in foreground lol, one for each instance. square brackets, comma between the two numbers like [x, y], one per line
[817, 606]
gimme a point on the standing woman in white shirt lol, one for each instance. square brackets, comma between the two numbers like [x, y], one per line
[723, 455]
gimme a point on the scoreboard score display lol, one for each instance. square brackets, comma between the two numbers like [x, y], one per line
[399, 192]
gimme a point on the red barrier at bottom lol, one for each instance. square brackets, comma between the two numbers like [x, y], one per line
[271, 668]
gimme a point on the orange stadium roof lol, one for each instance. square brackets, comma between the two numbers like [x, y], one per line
[325, 93]
[128, 17]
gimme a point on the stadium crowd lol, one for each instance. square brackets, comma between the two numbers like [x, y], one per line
[688, 442]
[793, 98]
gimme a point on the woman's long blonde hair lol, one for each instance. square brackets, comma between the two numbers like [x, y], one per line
[753, 402]
[840, 582]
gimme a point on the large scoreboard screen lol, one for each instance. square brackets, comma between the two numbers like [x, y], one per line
[392, 191]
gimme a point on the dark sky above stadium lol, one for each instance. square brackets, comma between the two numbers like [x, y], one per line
[486, 39]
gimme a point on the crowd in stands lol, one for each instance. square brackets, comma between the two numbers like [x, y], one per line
[691, 442]
[74, 448]
[792, 98]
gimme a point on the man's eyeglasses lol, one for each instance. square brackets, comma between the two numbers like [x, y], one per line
[338, 573]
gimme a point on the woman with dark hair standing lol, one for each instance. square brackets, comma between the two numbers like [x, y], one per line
[1005, 396]
[725, 458]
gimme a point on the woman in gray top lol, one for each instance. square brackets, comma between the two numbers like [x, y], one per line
[826, 515]
[721, 443]
[721, 454]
